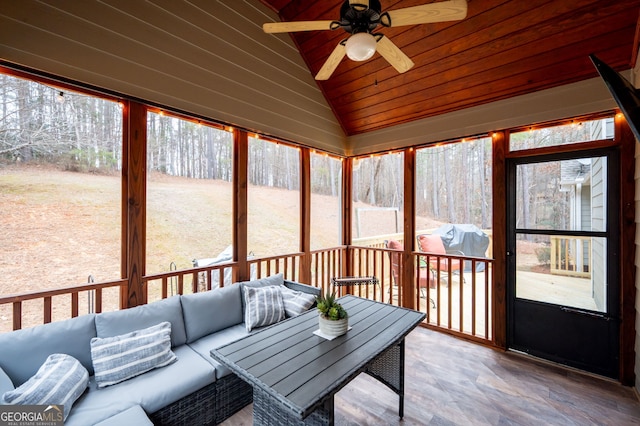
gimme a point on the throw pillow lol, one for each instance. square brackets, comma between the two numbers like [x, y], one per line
[59, 381]
[119, 358]
[263, 306]
[296, 302]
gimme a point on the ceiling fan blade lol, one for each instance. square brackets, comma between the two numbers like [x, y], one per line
[393, 55]
[452, 10]
[359, 5]
[288, 27]
[332, 62]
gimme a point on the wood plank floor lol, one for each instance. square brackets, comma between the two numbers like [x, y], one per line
[450, 381]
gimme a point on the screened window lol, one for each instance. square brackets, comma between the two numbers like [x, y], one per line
[578, 132]
[189, 193]
[60, 193]
[453, 186]
[326, 185]
[274, 199]
[378, 199]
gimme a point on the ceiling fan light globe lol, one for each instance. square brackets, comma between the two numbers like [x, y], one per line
[360, 46]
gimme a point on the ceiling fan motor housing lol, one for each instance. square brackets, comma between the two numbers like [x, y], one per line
[354, 19]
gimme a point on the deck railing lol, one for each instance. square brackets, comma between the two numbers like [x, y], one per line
[42, 307]
[461, 302]
[326, 264]
[192, 280]
[570, 256]
[457, 294]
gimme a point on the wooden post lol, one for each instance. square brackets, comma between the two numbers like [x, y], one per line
[347, 213]
[628, 142]
[135, 178]
[240, 203]
[499, 280]
[409, 271]
[304, 273]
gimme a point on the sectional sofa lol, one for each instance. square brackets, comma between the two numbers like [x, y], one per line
[185, 386]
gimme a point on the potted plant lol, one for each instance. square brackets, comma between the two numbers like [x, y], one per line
[333, 319]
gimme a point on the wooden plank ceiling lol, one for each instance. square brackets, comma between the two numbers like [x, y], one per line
[500, 50]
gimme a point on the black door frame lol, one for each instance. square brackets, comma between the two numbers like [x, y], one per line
[524, 314]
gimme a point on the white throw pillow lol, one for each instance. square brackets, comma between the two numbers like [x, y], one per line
[296, 302]
[59, 381]
[263, 306]
[119, 358]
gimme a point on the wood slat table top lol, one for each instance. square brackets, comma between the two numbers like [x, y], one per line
[302, 370]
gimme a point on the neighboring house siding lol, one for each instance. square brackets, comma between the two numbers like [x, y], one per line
[598, 223]
[586, 208]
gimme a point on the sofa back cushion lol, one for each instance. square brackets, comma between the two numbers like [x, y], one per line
[210, 311]
[109, 324]
[22, 352]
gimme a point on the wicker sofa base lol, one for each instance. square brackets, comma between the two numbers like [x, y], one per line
[208, 406]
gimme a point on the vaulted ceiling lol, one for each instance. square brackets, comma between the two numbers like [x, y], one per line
[500, 50]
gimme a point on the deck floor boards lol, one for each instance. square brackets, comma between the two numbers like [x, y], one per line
[450, 381]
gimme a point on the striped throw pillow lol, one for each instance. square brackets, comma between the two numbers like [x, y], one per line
[59, 381]
[263, 306]
[119, 358]
[296, 302]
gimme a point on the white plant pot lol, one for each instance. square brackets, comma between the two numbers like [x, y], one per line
[333, 328]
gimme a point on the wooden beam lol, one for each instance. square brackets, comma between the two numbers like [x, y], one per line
[499, 279]
[304, 272]
[135, 175]
[408, 271]
[627, 141]
[124, 203]
[347, 213]
[240, 202]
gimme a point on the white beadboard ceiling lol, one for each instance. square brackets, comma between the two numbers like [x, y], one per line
[210, 58]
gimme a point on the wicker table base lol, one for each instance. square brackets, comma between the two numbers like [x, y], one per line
[268, 411]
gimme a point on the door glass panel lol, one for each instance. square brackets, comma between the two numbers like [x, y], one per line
[562, 270]
[562, 195]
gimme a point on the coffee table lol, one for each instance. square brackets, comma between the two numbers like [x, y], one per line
[296, 373]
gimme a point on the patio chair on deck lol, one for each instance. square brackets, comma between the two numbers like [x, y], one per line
[432, 244]
[426, 275]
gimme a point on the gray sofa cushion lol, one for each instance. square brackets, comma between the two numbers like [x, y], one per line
[210, 311]
[132, 416]
[24, 351]
[115, 323]
[204, 345]
[152, 391]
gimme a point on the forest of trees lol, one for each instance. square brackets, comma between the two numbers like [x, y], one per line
[84, 133]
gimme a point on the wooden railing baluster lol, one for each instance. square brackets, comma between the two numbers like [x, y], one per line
[74, 304]
[98, 300]
[17, 315]
[47, 310]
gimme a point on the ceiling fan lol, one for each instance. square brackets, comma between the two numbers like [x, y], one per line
[360, 18]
